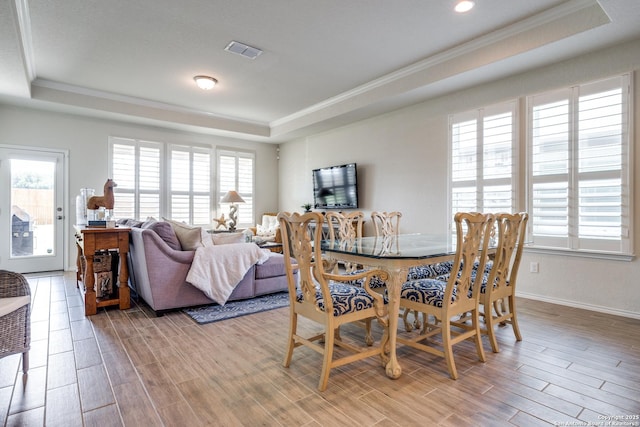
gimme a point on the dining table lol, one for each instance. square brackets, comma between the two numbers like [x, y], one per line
[395, 255]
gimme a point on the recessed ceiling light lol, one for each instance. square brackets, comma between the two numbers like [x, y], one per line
[464, 6]
[205, 82]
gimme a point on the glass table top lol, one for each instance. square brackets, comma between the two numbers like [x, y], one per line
[403, 246]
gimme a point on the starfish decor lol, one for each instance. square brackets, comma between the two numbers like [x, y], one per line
[221, 222]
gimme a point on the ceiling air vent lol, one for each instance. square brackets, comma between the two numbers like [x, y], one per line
[243, 49]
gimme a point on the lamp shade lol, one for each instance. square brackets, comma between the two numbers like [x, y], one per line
[232, 197]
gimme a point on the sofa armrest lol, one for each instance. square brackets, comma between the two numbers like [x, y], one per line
[155, 246]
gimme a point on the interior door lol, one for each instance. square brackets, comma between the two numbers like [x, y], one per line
[32, 216]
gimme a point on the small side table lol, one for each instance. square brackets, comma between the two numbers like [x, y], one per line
[272, 246]
[88, 241]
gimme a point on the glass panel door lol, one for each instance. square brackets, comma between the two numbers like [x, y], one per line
[32, 216]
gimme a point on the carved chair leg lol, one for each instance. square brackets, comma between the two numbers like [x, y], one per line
[416, 320]
[407, 325]
[489, 324]
[514, 318]
[368, 336]
[293, 322]
[328, 357]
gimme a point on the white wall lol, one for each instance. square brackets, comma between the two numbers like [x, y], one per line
[402, 165]
[87, 142]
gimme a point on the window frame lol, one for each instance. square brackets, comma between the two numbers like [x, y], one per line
[245, 219]
[165, 191]
[136, 191]
[191, 193]
[572, 242]
[480, 181]
[523, 179]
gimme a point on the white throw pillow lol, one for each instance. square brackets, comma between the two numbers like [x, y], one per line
[226, 238]
[268, 227]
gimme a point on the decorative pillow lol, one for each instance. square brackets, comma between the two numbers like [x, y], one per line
[150, 220]
[190, 237]
[268, 227]
[166, 233]
[225, 238]
[129, 222]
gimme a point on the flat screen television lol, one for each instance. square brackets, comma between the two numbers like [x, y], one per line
[336, 187]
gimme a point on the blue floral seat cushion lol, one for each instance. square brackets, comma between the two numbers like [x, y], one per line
[474, 272]
[374, 283]
[346, 298]
[425, 291]
[429, 271]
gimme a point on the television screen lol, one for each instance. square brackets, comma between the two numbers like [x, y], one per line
[336, 187]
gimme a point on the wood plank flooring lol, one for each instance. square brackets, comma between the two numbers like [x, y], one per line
[574, 367]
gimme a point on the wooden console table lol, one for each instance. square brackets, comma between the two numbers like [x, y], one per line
[88, 241]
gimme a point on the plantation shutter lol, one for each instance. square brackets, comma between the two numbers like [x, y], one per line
[482, 153]
[236, 172]
[190, 184]
[135, 167]
[579, 167]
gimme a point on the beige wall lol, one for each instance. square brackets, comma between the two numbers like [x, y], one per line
[87, 142]
[402, 165]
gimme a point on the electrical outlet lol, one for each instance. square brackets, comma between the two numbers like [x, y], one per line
[533, 267]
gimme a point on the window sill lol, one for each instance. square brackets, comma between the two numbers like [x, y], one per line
[613, 256]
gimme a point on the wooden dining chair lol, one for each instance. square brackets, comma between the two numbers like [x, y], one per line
[447, 301]
[386, 224]
[324, 297]
[498, 300]
[346, 228]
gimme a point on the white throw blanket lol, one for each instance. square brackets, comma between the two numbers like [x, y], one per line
[217, 270]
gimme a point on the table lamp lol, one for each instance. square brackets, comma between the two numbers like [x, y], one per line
[232, 197]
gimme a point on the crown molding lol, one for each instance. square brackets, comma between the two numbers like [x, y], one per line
[560, 22]
[50, 91]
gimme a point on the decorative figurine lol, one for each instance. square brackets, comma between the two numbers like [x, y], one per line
[107, 200]
[222, 222]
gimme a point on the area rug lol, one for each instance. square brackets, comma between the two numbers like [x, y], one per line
[214, 312]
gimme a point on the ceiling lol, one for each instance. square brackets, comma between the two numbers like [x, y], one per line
[324, 63]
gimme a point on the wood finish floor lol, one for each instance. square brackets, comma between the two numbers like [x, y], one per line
[574, 367]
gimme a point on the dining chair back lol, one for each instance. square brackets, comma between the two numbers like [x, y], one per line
[15, 316]
[346, 228]
[447, 300]
[498, 301]
[386, 224]
[326, 298]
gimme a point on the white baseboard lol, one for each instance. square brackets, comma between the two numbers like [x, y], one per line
[598, 308]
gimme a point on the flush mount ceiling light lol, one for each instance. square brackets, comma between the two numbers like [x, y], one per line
[205, 82]
[464, 6]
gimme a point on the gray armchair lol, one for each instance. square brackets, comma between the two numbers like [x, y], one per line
[15, 316]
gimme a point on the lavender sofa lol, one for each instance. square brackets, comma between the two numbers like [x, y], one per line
[158, 274]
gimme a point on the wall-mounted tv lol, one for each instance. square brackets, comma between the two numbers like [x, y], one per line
[336, 187]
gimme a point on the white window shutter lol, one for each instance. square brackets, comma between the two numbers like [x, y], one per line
[236, 172]
[482, 165]
[135, 166]
[579, 167]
